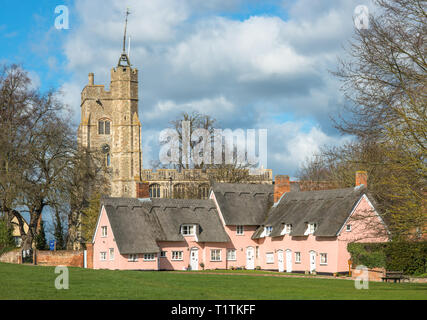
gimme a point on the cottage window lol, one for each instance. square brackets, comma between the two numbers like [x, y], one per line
[103, 256]
[103, 231]
[149, 257]
[324, 258]
[176, 255]
[188, 230]
[270, 257]
[268, 230]
[111, 253]
[231, 254]
[215, 255]
[297, 257]
[163, 254]
[133, 258]
[348, 228]
[239, 230]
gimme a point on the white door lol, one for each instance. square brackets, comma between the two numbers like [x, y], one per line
[312, 261]
[280, 263]
[250, 263]
[194, 259]
[288, 261]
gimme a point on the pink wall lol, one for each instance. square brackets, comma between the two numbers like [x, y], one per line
[103, 244]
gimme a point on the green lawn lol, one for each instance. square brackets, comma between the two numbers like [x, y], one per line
[36, 282]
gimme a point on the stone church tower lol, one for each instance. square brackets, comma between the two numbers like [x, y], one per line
[110, 125]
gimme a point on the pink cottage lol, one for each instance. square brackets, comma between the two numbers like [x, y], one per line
[238, 226]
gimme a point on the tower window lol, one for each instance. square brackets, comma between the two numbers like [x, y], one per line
[104, 127]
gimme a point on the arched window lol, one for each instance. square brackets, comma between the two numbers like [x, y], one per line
[204, 191]
[179, 191]
[155, 190]
[104, 126]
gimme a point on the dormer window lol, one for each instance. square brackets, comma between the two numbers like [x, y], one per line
[312, 227]
[287, 229]
[188, 230]
[268, 230]
[104, 126]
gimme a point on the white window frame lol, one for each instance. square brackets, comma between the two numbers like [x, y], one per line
[104, 232]
[268, 230]
[324, 256]
[240, 230]
[189, 227]
[216, 255]
[149, 257]
[348, 228]
[103, 256]
[231, 254]
[297, 257]
[177, 255]
[269, 258]
[163, 254]
[111, 253]
[133, 257]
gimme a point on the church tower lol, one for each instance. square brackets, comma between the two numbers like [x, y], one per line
[110, 125]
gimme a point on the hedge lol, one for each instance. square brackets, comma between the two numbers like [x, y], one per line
[409, 257]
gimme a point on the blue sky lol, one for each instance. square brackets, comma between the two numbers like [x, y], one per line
[249, 64]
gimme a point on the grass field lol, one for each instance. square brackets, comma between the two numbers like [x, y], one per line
[36, 282]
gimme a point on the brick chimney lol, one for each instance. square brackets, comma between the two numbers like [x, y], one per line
[281, 185]
[142, 190]
[361, 178]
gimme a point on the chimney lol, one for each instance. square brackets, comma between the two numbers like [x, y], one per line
[281, 185]
[142, 190]
[91, 79]
[361, 178]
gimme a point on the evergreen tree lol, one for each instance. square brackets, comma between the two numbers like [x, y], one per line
[41, 243]
[6, 235]
[59, 233]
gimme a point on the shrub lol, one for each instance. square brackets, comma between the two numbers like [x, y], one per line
[409, 257]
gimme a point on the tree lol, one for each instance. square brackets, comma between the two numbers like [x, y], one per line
[40, 239]
[59, 233]
[90, 217]
[234, 172]
[384, 80]
[6, 235]
[41, 166]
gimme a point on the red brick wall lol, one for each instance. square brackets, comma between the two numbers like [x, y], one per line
[13, 256]
[142, 190]
[60, 258]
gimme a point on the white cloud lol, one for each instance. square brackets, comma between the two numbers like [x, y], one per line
[240, 72]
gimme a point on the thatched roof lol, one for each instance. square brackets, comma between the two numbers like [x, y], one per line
[244, 204]
[329, 209]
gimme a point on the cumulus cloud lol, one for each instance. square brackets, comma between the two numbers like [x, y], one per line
[244, 72]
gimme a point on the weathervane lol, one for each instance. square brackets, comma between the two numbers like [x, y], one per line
[124, 57]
